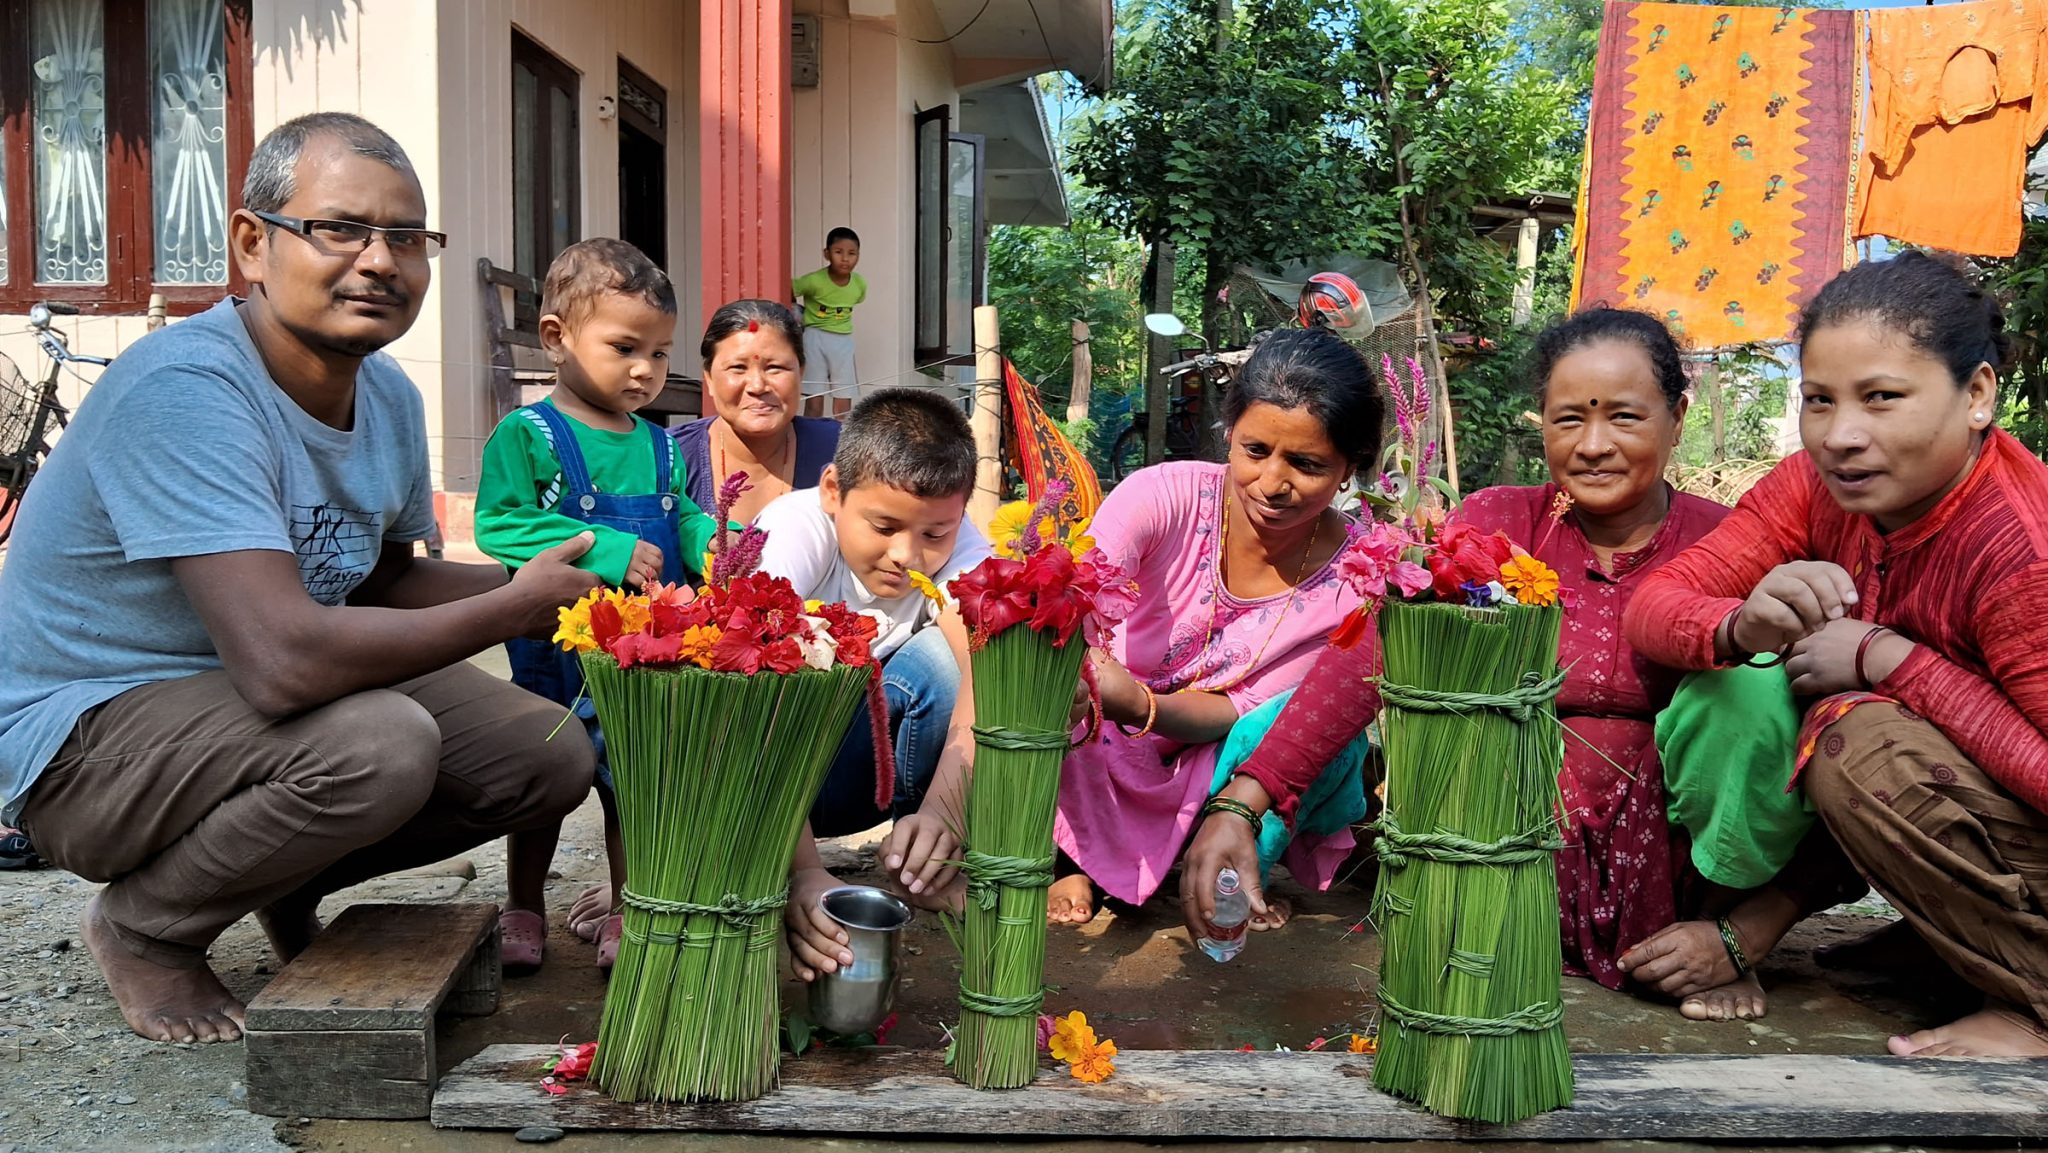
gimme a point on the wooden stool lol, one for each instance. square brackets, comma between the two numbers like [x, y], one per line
[347, 1029]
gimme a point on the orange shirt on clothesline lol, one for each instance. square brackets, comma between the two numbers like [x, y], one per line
[1958, 95]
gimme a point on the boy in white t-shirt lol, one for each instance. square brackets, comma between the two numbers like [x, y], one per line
[889, 512]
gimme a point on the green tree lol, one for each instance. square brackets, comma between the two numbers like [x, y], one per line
[1225, 138]
[2021, 286]
[1043, 279]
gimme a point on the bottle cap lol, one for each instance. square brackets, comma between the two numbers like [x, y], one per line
[1226, 882]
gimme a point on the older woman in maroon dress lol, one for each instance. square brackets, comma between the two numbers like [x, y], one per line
[1614, 400]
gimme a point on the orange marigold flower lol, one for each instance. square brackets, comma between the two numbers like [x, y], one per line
[633, 610]
[1360, 1043]
[1095, 1064]
[1071, 1037]
[1529, 581]
[698, 642]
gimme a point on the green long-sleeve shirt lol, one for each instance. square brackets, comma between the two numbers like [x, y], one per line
[521, 487]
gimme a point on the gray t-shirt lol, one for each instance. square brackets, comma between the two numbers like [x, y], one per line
[185, 447]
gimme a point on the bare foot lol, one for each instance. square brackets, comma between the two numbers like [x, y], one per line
[590, 910]
[291, 926]
[161, 1004]
[1997, 1031]
[1739, 1000]
[1279, 911]
[1070, 901]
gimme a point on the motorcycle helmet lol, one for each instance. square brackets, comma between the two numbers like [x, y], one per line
[1333, 300]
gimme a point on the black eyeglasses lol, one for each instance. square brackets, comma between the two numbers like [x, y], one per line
[350, 236]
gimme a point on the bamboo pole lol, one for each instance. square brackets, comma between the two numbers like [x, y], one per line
[988, 418]
[1084, 374]
[1160, 349]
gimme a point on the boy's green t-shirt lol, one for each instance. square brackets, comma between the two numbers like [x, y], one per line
[828, 307]
[521, 488]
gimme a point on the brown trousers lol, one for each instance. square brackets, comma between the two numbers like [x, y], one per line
[195, 809]
[1963, 860]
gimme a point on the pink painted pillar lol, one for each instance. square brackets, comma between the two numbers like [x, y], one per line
[743, 149]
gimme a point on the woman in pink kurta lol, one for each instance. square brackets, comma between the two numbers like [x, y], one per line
[1238, 592]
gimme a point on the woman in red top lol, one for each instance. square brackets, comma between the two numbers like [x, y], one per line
[1900, 567]
[1614, 400]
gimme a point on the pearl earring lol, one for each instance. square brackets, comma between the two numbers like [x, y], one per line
[1978, 417]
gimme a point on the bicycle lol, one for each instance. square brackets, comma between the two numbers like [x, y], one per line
[1183, 412]
[28, 416]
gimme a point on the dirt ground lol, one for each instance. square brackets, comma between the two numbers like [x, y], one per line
[73, 1078]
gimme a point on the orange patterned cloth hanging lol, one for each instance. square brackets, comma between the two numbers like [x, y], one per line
[1958, 94]
[1715, 194]
[1042, 452]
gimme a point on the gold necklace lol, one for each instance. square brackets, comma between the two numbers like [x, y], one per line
[773, 471]
[1216, 601]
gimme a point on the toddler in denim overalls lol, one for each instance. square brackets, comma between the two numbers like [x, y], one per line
[581, 461]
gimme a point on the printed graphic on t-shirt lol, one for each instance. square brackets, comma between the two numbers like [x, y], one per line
[336, 547]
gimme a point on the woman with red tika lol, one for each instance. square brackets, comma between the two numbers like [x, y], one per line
[1899, 568]
[1646, 748]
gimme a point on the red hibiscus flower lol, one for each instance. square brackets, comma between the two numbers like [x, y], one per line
[782, 656]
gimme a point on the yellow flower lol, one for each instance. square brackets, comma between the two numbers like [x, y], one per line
[923, 584]
[574, 632]
[1360, 1043]
[633, 611]
[1529, 581]
[1095, 1064]
[1072, 1037]
[1008, 526]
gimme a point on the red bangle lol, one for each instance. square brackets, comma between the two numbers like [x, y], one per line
[1862, 647]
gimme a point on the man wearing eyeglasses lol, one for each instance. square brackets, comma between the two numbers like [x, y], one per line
[227, 684]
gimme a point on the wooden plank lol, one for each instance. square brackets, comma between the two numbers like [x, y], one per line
[377, 967]
[476, 993]
[361, 1074]
[1161, 1094]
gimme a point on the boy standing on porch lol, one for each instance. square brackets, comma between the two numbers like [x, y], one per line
[828, 297]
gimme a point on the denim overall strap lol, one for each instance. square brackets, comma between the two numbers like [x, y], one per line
[664, 457]
[575, 473]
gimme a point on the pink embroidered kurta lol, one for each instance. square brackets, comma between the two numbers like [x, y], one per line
[1126, 804]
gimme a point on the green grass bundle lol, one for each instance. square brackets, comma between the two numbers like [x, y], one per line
[715, 773]
[1471, 1014]
[1023, 688]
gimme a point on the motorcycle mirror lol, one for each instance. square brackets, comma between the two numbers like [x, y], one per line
[1164, 324]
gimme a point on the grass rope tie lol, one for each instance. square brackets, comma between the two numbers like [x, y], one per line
[1533, 1019]
[988, 1006]
[987, 874]
[998, 737]
[1519, 704]
[1397, 848]
[1479, 965]
[736, 911]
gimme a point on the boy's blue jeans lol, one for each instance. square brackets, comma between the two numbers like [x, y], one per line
[919, 682]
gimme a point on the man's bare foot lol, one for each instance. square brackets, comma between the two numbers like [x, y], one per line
[1279, 911]
[159, 1003]
[590, 910]
[1070, 901]
[1739, 1000]
[290, 926]
[1997, 1031]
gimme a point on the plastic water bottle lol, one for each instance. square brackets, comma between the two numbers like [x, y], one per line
[1233, 909]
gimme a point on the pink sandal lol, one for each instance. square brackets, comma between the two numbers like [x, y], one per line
[522, 935]
[608, 933]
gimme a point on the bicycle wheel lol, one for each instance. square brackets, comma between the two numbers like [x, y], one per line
[1128, 454]
[1183, 435]
[15, 473]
